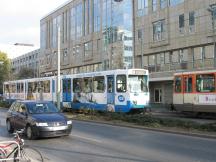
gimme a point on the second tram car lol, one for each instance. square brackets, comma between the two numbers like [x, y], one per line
[195, 91]
[119, 90]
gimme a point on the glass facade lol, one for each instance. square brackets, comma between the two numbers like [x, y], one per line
[43, 36]
[96, 15]
[76, 21]
[175, 2]
[116, 25]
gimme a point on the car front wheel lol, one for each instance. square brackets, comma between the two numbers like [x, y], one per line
[9, 126]
[29, 133]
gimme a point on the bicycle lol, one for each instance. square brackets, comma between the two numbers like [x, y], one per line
[17, 151]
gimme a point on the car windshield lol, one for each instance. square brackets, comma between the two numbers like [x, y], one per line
[137, 83]
[41, 108]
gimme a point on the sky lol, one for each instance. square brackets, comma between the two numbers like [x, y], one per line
[20, 23]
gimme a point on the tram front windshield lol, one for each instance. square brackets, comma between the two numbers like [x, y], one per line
[137, 83]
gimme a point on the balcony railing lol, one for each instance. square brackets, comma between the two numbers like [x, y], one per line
[207, 63]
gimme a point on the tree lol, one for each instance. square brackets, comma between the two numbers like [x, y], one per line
[4, 69]
[25, 73]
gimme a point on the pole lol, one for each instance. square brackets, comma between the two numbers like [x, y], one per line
[58, 71]
[142, 49]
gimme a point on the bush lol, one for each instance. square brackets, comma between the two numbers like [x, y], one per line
[156, 122]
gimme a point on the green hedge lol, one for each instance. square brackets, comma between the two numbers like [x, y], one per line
[157, 122]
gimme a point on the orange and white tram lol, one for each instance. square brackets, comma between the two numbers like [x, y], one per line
[195, 91]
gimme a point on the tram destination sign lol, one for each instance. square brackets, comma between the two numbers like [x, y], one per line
[139, 72]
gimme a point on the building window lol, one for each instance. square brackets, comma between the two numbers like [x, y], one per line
[163, 4]
[213, 7]
[199, 53]
[142, 7]
[98, 44]
[43, 36]
[191, 21]
[175, 2]
[65, 56]
[159, 30]
[88, 49]
[158, 95]
[88, 17]
[181, 23]
[154, 5]
[77, 49]
[128, 48]
[140, 34]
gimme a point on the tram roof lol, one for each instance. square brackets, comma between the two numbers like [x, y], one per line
[111, 72]
[195, 72]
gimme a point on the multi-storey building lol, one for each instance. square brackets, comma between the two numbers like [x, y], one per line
[29, 60]
[170, 36]
[94, 35]
[163, 36]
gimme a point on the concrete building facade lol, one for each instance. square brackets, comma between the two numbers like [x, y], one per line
[173, 36]
[164, 36]
[30, 60]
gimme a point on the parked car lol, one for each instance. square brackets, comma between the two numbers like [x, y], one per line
[38, 118]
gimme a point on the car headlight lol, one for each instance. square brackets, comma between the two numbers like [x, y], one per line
[41, 124]
[69, 122]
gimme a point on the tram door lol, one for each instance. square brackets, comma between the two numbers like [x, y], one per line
[110, 89]
[188, 95]
[66, 90]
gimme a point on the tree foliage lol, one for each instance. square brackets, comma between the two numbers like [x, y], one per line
[4, 69]
[25, 73]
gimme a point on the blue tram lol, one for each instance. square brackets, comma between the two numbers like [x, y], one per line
[120, 90]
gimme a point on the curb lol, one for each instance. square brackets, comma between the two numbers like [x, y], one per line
[151, 129]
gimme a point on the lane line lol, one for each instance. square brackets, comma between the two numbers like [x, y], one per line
[86, 138]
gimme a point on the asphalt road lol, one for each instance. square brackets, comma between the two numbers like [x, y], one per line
[91, 142]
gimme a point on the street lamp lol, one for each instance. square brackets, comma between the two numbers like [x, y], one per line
[58, 70]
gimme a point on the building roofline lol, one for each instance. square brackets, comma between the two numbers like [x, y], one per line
[56, 9]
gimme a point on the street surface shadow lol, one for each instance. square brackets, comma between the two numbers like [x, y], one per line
[95, 154]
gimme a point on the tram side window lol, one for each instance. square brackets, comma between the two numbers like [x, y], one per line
[178, 84]
[34, 87]
[205, 83]
[46, 85]
[21, 88]
[6, 88]
[87, 87]
[121, 83]
[188, 85]
[77, 85]
[30, 87]
[18, 87]
[13, 88]
[98, 84]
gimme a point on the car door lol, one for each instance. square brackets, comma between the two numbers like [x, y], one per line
[21, 116]
[14, 115]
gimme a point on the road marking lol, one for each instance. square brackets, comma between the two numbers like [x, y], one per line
[86, 138]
